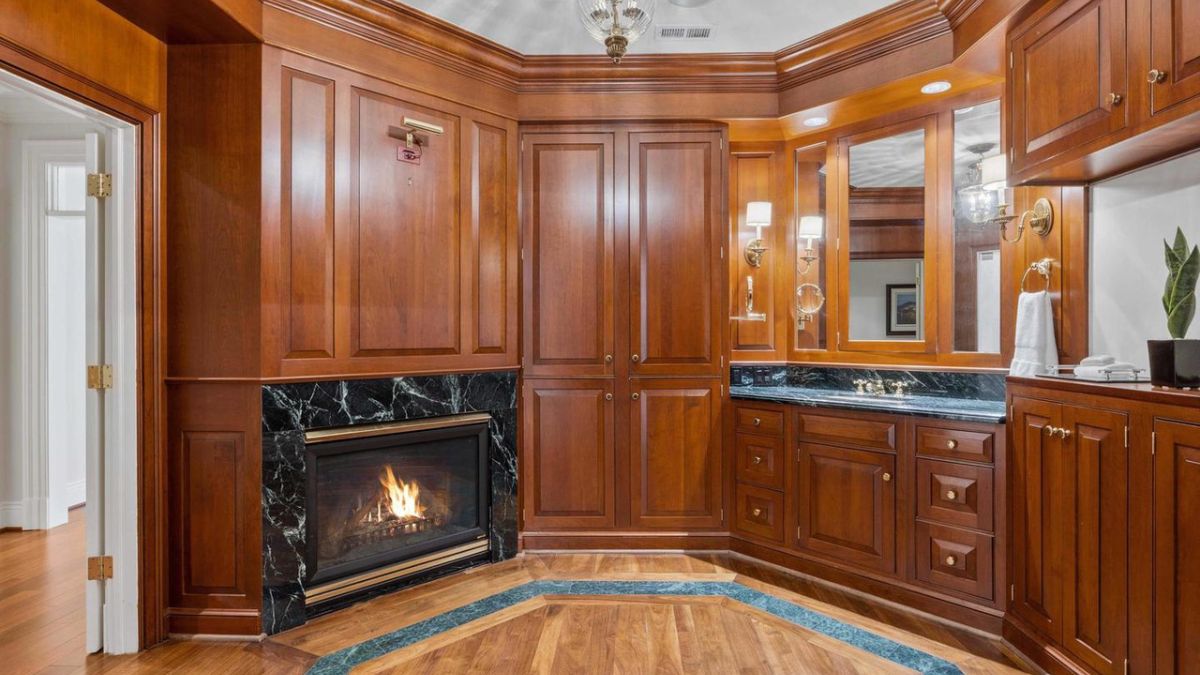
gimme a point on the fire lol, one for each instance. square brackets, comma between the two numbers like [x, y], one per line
[402, 499]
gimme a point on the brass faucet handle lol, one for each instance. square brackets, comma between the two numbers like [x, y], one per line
[860, 386]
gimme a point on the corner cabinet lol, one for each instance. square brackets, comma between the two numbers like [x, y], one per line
[1104, 549]
[623, 288]
[1097, 87]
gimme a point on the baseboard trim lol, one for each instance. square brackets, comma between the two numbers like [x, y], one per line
[234, 624]
[12, 516]
[624, 541]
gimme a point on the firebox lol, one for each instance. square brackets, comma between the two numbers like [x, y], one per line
[388, 501]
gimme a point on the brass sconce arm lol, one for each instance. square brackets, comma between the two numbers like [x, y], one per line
[1040, 220]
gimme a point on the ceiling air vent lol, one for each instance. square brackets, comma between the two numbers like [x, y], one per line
[676, 33]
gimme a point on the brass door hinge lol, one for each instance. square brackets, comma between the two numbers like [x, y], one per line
[100, 567]
[99, 185]
[100, 377]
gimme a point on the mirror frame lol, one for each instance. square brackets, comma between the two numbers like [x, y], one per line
[928, 124]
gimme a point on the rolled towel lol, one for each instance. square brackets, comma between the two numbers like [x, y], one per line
[1035, 349]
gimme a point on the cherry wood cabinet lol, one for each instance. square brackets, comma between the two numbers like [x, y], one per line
[1098, 87]
[1105, 550]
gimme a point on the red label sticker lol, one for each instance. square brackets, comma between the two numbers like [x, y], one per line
[411, 155]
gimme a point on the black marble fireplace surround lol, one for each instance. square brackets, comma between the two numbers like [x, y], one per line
[289, 410]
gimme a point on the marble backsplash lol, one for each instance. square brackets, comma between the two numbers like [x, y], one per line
[957, 384]
[291, 409]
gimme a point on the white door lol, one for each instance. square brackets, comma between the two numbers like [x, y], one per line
[94, 510]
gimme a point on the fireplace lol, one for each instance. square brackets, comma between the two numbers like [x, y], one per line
[388, 501]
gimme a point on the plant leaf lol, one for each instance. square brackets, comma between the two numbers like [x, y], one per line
[1181, 316]
[1174, 261]
[1181, 244]
[1184, 283]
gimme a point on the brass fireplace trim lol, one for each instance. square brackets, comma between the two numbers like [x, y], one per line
[336, 589]
[369, 430]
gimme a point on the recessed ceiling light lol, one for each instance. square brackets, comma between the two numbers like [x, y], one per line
[816, 121]
[936, 87]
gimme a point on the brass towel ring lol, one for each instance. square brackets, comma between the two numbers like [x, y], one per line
[1042, 267]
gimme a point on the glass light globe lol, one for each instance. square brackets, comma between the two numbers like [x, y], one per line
[616, 23]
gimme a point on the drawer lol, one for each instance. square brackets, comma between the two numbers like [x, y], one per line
[973, 446]
[759, 512]
[955, 494]
[954, 559]
[869, 433]
[760, 460]
[758, 420]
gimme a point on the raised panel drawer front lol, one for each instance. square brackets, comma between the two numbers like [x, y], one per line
[846, 508]
[760, 460]
[972, 446]
[1175, 53]
[758, 421]
[955, 494]
[759, 512]
[1066, 67]
[959, 560]
[870, 433]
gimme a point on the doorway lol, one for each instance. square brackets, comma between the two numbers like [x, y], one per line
[68, 359]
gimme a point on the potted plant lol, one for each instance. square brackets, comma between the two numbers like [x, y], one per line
[1176, 362]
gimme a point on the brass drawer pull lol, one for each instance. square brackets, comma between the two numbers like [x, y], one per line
[608, 358]
[1115, 98]
[952, 444]
[887, 477]
[757, 421]
[951, 560]
[636, 358]
[757, 459]
[636, 396]
[608, 397]
[756, 512]
[951, 495]
[1156, 76]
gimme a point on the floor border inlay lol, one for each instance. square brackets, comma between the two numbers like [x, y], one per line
[903, 655]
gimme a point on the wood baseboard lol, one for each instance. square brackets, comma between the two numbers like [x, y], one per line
[1033, 648]
[235, 624]
[624, 541]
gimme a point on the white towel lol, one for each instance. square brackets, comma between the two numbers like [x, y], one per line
[1035, 349]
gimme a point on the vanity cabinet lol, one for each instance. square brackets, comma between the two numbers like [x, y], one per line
[623, 296]
[1139, 100]
[1105, 547]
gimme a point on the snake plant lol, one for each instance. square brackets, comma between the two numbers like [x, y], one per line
[1179, 299]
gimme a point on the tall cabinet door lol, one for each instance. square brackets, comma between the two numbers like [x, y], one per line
[1175, 52]
[1035, 466]
[1096, 537]
[675, 454]
[676, 269]
[1177, 547]
[568, 462]
[567, 197]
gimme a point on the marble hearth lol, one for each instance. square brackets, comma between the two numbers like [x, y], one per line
[289, 410]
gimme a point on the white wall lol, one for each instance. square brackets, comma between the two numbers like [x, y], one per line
[868, 295]
[1131, 216]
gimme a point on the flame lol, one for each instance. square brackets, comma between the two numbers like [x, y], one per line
[402, 499]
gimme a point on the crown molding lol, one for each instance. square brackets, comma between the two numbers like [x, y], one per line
[389, 23]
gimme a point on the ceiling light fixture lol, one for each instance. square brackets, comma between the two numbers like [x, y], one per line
[690, 3]
[816, 121]
[616, 23]
[936, 87]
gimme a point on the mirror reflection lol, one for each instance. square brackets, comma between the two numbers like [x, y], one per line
[808, 301]
[887, 238]
[976, 236]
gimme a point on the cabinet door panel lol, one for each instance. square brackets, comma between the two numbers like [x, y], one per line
[675, 453]
[1177, 547]
[569, 464]
[847, 505]
[1096, 537]
[676, 271]
[1036, 480]
[405, 246]
[1175, 48]
[569, 273]
[1065, 68]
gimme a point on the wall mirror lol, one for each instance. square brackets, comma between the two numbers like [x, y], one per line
[809, 236]
[976, 263]
[888, 195]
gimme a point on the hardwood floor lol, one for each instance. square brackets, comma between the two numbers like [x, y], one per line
[42, 622]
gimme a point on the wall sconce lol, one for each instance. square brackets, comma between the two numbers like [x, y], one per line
[1040, 219]
[758, 216]
[407, 132]
[809, 296]
[810, 229]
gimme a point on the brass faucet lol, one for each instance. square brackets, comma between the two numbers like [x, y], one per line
[880, 387]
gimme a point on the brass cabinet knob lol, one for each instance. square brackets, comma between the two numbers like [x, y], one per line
[757, 421]
[952, 444]
[608, 358]
[1156, 76]
[1115, 98]
[756, 512]
[951, 495]
[1053, 431]
[608, 397]
[951, 560]
[1064, 433]
[636, 396]
[887, 477]
[757, 459]
[636, 358]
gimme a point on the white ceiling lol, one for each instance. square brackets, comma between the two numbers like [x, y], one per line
[553, 26]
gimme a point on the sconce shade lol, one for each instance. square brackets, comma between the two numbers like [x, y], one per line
[758, 214]
[811, 227]
[993, 173]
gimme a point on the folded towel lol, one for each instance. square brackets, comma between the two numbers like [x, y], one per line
[1035, 349]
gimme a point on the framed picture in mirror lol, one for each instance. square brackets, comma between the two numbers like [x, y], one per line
[903, 309]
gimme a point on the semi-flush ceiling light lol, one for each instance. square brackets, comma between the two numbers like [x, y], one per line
[936, 87]
[616, 23]
[816, 121]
